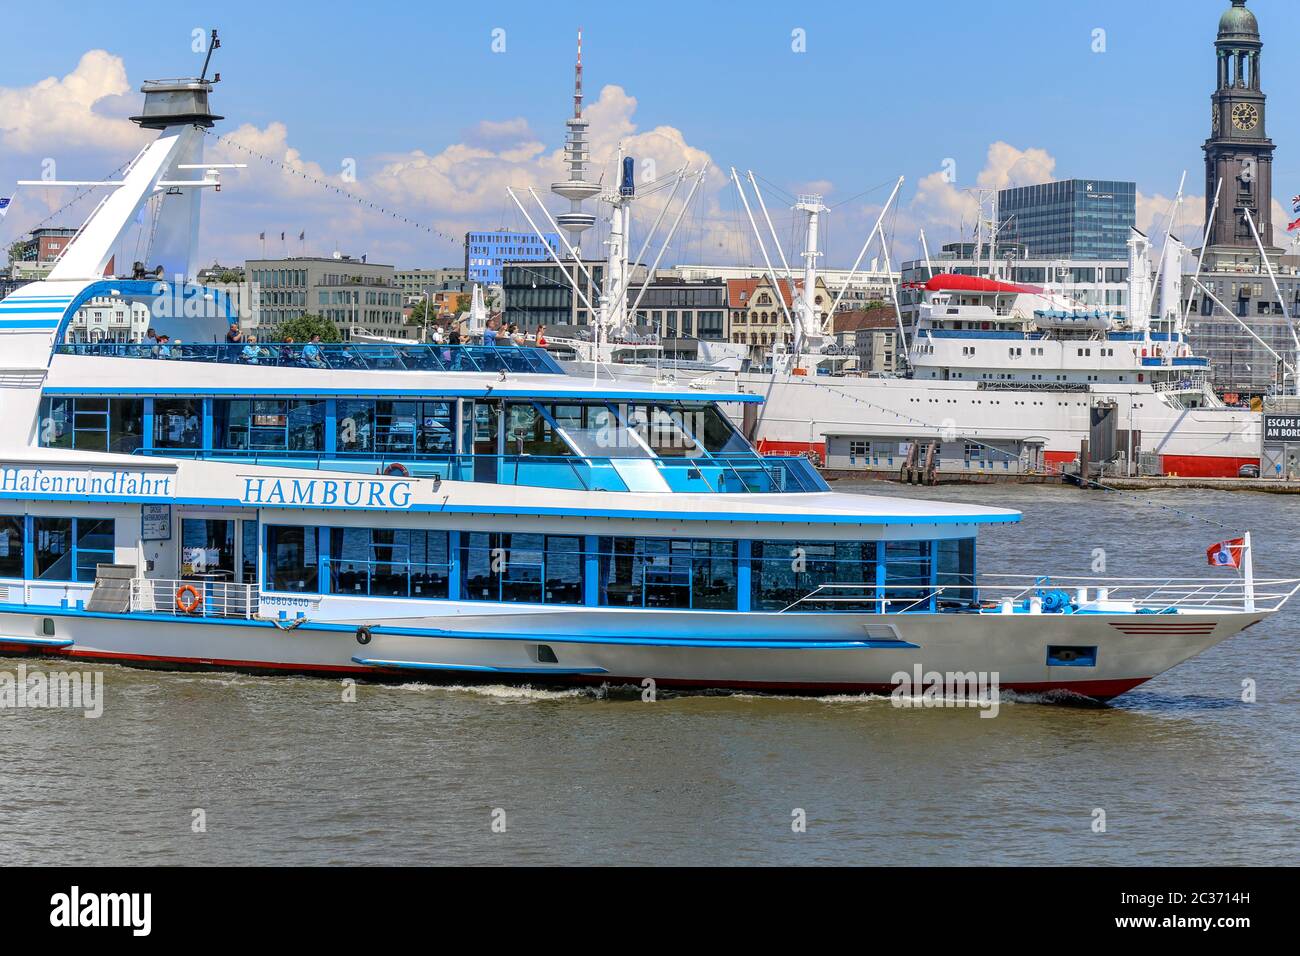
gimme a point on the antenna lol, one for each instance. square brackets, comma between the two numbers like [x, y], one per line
[213, 43]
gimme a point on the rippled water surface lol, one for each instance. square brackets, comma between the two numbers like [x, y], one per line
[286, 772]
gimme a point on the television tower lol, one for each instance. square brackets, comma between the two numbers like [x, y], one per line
[576, 189]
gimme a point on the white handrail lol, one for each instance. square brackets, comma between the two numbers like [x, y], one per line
[193, 597]
[1146, 594]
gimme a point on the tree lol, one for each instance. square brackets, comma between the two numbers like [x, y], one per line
[230, 276]
[463, 302]
[418, 310]
[16, 250]
[305, 326]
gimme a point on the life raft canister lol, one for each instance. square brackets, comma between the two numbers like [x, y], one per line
[189, 604]
[397, 470]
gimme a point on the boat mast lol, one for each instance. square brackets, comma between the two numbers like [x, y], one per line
[808, 332]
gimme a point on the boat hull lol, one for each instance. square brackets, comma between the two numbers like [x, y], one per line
[789, 653]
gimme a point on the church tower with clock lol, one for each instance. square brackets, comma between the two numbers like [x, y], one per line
[1239, 151]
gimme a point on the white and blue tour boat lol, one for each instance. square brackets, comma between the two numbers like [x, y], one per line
[384, 510]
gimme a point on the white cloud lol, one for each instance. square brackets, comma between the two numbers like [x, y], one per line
[76, 111]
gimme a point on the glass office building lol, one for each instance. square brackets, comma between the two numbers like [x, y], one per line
[487, 252]
[1070, 219]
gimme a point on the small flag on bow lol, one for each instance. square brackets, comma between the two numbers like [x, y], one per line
[1293, 225]
[4, 205]
[1226, 554]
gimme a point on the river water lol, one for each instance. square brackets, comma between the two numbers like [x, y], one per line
[283, 771]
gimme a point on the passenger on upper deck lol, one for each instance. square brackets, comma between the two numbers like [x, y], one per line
[233, 335]
[311, 353]
[252, 353]
[490, 333]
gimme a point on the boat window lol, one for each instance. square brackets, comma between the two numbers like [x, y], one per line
[661, 430]
[529, 433]
[955, 571]
[92, 424]
[523, 568]
[208, 547]
[668, 573]
[248, 550]
[178, 423]
[291, 558]
[395, 429]
[813, 575]
[596, 432]
[389, 562]
[67, 549]
[907, 575]
[269, 425]
[11, 546]
[437, 428]
[714, 431]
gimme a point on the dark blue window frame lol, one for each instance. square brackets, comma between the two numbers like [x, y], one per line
[694, 573]
[523, 568]
[67, 549]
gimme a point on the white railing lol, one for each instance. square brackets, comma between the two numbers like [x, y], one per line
[193, 598]
[1117, 595]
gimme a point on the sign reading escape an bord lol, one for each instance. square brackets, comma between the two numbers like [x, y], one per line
[1282, 428]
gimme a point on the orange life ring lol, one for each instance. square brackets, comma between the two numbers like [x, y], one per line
[196, 598]
[397, 470]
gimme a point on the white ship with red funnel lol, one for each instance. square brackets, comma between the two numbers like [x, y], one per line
[1013, 366]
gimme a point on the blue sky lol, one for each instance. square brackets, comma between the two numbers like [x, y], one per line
[883, 89]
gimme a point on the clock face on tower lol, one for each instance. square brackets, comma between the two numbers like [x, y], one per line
[1245, 117]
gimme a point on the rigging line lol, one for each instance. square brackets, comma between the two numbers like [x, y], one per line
[778, 189]
[863, 193]
[80, 196]
[286, 168]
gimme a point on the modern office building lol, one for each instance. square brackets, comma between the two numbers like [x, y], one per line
[674, 308]
[1070, 219]
[349, 292]
[536, 293]
[487, 252]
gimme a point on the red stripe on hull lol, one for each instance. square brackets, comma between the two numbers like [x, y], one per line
[768, 447]
[1186, 466]
[1097, 689]
[1203, 466]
